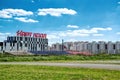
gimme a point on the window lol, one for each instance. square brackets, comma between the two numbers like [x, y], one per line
[11, 38]
[14, 38]
[20, 38]
[98, 46]
[113, 46]
[25, 45]
[20, 44]
[39, 45]
[17, 38]
[29, 38]
[10, 44]
[106, 46]
[35, 39]
[25, 38]
[39, 39]
[13, 44]
[5, 44]
[8, 38]
[1, 43]
[46, 40]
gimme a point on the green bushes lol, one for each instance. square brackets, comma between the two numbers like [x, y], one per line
[9, 57]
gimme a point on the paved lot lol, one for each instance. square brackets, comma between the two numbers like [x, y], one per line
[68, 64]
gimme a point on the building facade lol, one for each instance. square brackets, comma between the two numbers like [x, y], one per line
[25, 41]
[91, 47]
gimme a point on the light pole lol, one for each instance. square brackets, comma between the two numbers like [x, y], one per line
[62, 45]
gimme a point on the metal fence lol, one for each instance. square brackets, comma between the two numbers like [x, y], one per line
[49, 52]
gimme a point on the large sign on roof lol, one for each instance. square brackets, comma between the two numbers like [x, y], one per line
[30, 34]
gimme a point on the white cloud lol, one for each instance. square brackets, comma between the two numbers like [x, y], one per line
[70, 40]
[70, 35]
[118, 2]
[98, 34]
[102, 29]
[9, 13]
[22, 19]
[81, 32]
[118, 33]
[72, 26]
[3, 36]
[52, 36]
[97, 40]
[56, 11]
[32, 1]
[92, 30]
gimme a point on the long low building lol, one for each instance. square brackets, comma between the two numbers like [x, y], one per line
[25, 41]
[91, 47]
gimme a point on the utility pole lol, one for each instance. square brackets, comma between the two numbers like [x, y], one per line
[62, 45]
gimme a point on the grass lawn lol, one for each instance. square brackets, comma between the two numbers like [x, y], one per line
[34, 72]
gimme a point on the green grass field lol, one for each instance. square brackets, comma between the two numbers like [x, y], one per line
[34, 72]
[9, 58]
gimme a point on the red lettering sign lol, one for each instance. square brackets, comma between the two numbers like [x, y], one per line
[21, 33]
[39, 35]
[36, 35]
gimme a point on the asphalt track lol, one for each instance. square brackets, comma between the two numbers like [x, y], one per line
[68, 64]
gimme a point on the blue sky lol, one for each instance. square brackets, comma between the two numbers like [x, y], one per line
[71, 20]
